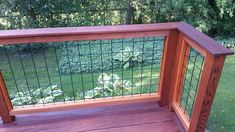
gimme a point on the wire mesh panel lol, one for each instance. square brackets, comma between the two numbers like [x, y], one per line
[191, 78]
[42, 73]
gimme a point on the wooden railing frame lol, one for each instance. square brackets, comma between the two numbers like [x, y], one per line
[89, 103]
[5, 103]
[168, 60]
[212, 68]
[177, 36]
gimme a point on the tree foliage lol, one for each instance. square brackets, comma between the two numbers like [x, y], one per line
[215, 17]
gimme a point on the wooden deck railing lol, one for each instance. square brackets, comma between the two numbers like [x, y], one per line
[190, 68]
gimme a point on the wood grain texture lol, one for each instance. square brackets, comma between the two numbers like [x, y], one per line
[208, 84]
[182, 71]
[78, 37]
[136, 117]
[202, 40]
[170, 67]
[84, 33]
[168, 60]
[178, 70]
[194, 45]
[5, 103]
[89, 103]
[71, 33]
[86, 30]
[184, 120]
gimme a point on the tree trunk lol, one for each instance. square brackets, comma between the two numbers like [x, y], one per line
[140, 19]
[212, 3]
[158, 13]
[129, 13]
[152, 6]
[33, 17]
[213, 15]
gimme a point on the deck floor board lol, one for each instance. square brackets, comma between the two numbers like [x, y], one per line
[136, 117]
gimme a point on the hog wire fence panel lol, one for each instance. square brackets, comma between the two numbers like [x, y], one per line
[43, 73]
[191, 78]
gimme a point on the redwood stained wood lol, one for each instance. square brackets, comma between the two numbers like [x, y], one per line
[208, 84]
[71, 37]
[181, 115]
[205, 42]
[181, 51]
[166, 126]
[84, 33]
[177, 80]
[214, 53]
[49, 34]
[194, 45]
[168, 61]
[86, 30]
[136, 117]
[5, 103]
[182, 71]
[89, 103]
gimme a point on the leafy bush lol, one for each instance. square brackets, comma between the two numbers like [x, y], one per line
[27, 47]
[76, 58]
[104, 55]
[38, 96]
[129, 58]
[111, 85]
[227, 42]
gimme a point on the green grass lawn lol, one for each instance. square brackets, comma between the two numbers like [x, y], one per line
[222, 115]
[145, 78]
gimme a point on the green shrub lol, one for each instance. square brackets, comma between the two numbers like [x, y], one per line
[104, 55]
[27, 48]
[111, 85]
[129, 58]
[227, 42]
[38, 96]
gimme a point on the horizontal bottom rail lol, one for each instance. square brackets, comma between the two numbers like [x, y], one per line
[89, 103]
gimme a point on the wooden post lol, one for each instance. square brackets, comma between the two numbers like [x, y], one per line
[169, 53]
[208, 84]
[5, 103]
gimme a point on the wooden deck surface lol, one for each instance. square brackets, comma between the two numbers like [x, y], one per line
[138, 117]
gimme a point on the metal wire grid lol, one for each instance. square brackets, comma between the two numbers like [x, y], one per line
[27, 70]
[191, 80]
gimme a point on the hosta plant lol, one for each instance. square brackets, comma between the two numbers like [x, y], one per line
[111, 85]
[129, 57]
[38, 96]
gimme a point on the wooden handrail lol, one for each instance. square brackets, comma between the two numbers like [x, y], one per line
[84, 33]
[198, 37]
[202, 40]
[61, 31]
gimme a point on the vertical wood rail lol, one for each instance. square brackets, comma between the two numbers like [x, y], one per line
[208, 84]
[181, 73]
[178, 70]
[5, 103]
[168, 61]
